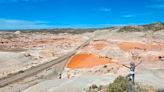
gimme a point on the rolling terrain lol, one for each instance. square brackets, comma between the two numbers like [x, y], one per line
[97, 62]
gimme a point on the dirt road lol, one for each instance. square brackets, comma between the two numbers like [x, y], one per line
[36, 69]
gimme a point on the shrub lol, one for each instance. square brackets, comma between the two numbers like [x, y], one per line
[120, 84]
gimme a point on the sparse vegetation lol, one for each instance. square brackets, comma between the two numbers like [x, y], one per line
[120, 84]
[8, 35]
[130, 29]
[154, 27]
[140, 28]
[149, 27]
[58, 31]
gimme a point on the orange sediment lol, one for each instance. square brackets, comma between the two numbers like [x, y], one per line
[126, 46]
[96, 45]
[132, 45]
[87, 61]
[100, 46]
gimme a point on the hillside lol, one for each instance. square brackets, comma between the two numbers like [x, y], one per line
[149, 27]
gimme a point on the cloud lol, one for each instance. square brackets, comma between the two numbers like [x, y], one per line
[135, 15]
[7, 24]
[158, 6]
[128, 16]
[20, 22]
[105, 9]
[125, 24]
[17, 1]
[23, 24]
[13, 24]
[157, 0]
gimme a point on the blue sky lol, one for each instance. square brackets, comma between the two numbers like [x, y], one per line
[33, 14]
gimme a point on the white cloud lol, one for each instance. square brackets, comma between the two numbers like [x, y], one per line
[23, 24]
[157, 0]
[128, 16]
[135, 15]
[20, 22]
[105, 9]
[16, 1]
[126, 24]
[159, 6]
[6, 24]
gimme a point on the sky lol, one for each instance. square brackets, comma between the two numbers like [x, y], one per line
[42, 14]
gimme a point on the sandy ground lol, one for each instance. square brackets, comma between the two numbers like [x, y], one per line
[30, 50]
[135, 46]
[66, 85]
[79, 84]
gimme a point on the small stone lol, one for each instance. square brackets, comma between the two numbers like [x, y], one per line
[94, 86]
[105, 66]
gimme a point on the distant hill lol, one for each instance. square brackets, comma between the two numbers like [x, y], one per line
[58, 31]
[136, 28]
[149, 27]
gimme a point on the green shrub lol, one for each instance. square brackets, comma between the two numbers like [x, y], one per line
[120, 84]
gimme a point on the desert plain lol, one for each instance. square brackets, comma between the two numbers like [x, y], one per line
[98, 62]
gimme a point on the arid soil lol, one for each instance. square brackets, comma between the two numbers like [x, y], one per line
[20, 51]
[100, 62]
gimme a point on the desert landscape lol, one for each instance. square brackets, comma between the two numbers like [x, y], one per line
[80, 58]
